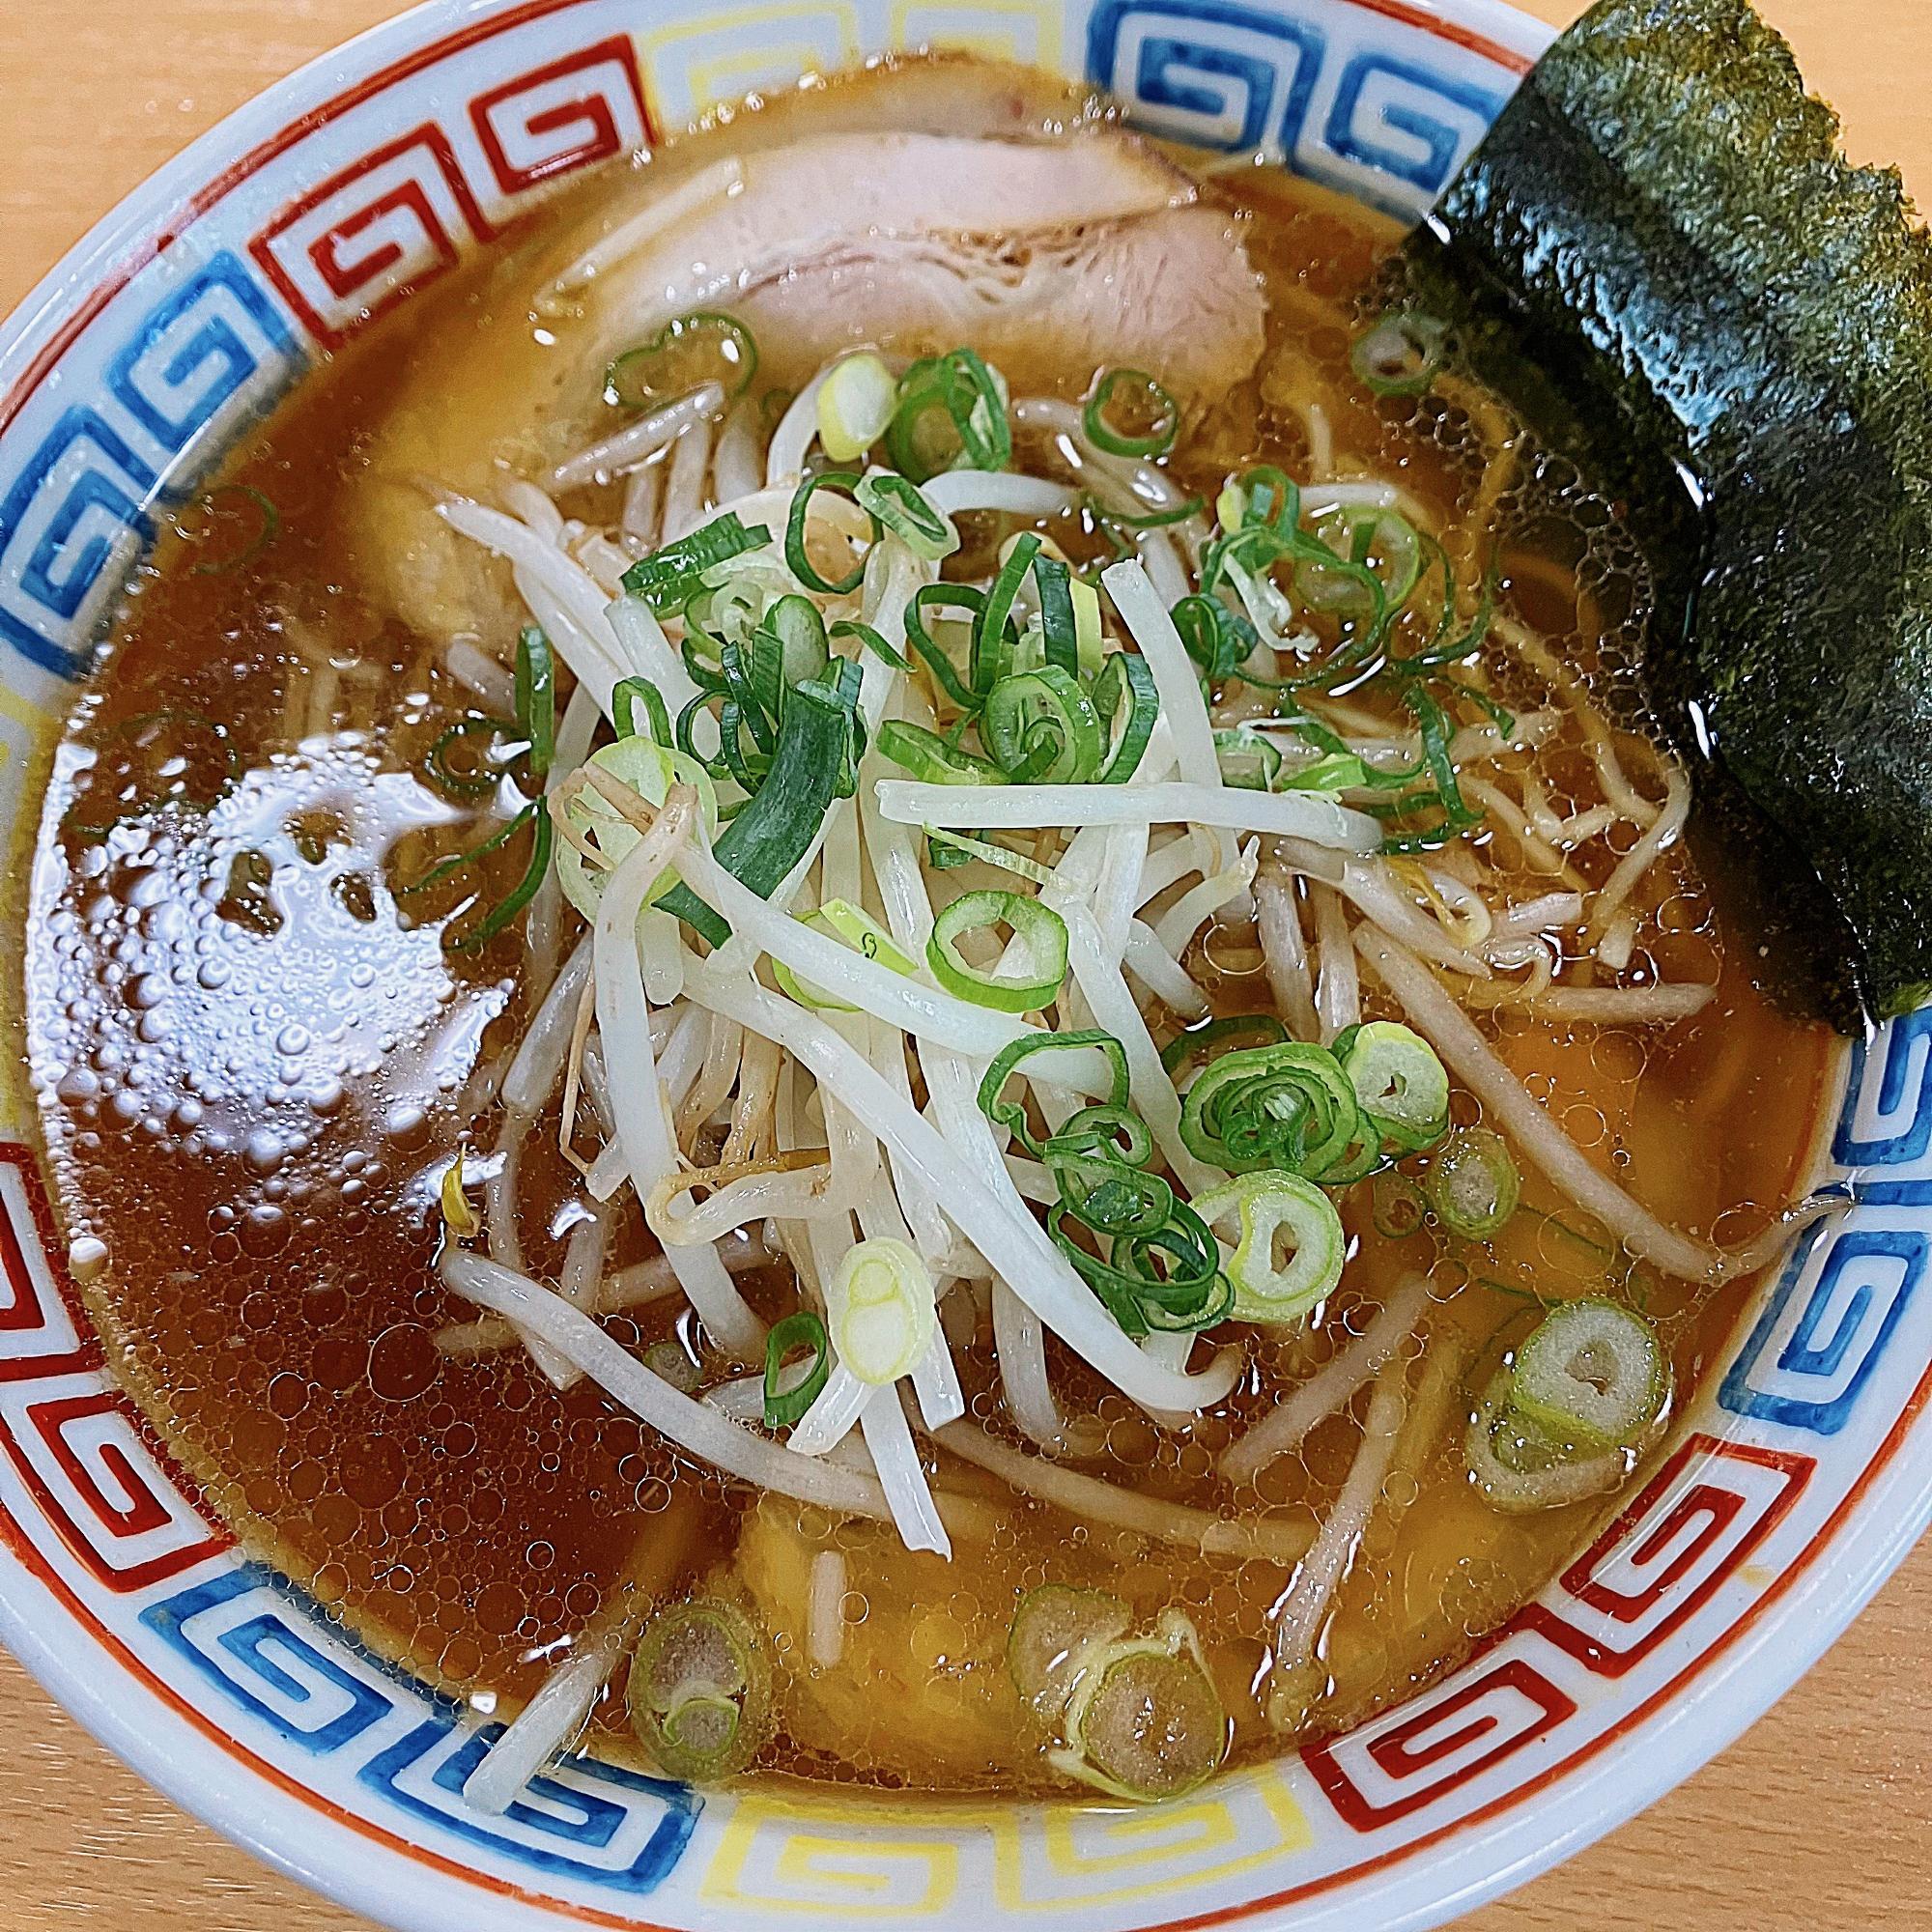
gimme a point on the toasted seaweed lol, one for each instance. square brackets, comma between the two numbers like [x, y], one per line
[1661, 257]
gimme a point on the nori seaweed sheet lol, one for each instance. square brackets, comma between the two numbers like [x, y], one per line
[1661, 257]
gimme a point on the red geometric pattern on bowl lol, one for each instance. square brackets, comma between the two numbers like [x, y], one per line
[92, 1465]
[44, 1329]
[1691, 1530]
[399, 217]
[107, 1487]
[573, 113]
[1438, 1742]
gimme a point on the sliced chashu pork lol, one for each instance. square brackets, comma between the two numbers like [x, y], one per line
[1050, 257]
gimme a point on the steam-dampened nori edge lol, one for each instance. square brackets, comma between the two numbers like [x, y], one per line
[1661, 257]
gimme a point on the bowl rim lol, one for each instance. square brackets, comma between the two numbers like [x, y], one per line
[1472, 1859]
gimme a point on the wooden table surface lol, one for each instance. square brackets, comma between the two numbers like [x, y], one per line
[1820, 1820]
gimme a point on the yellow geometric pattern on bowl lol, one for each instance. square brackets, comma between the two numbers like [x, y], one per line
[791, 1852]
[1019, 30]
[692, 65]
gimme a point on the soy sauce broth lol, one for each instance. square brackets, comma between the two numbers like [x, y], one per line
[254, 1061]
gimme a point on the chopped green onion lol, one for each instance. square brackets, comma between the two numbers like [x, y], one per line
[1397, 1204]
[1197, 1042]
[699, 1692]
[1378, 541]
[817, 760]
[1041, 728]
[1009, 1113]
[681, 357]
[1168, 1279]
[1150, 519]
[1269, 1206]
[803, 652]
[902, 507]
[1263, 497]
[796, 558]
[1148, 400]
[646, 768]
[477, 780]
[926, 756]
[1042, 934]
[884, 1310]
[1400, 1084]
[1401, 354]
[1215, 637]
[871, 641]
[267, 525]
[670, 577]
[542, 843]
[959, 847]
[855, 403]
[1289, 1106]
[626, 695]
[801, 1329]
[1144, 1720]
[1087, 642]
[992, 633]
[840, 919]
[536, 817]
[536, 697]
[1108, 1127]
[1054, 1624]
[1102, 1186]
[957, 393]
[1059, 627]
[1593, 1374]
[945, 673]
[1334, 771]
[1125, 679]
[1519, 1469]
[1473, 1183]
[1248, 760]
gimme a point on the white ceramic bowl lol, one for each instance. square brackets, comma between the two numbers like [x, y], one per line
[1800, 1475]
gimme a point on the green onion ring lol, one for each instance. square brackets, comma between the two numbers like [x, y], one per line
[1198, 1041]
[1266, 1203]
[626, 695]
[1400, 1083]
[945, 674]
[738, 348]
[926, 756]
[801, 1329]
[1473, 1183]
[1040, 727]
[437, 768]
[795, 556]
[536, 696]
[1009, 1113]
[1401, 356]
[871, 641]
[992, 645]
[1125, 674]
[1036, 926]
[1103, 436]
[902, 507]
[1289, 1106]
[267, 531]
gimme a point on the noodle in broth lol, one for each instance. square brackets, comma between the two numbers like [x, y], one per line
[361, 1126]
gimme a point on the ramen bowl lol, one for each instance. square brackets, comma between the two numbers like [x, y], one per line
[1798, 1477]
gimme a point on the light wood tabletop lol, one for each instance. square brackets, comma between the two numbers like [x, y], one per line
[1820, 1820]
